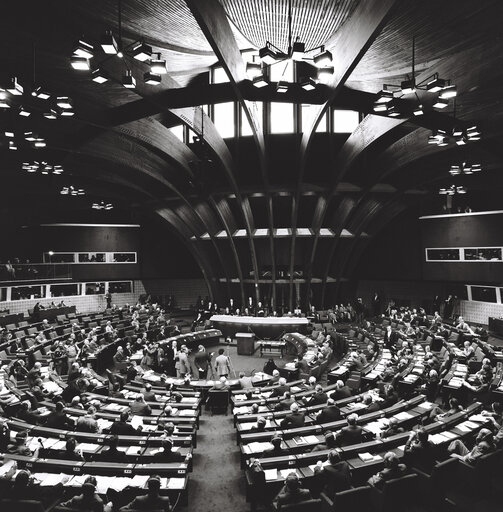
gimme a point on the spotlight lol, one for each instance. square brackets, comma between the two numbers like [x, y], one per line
[380, 107]
[108, 43]
[253, 69]
[128, 80]
[435, 85]
[41, 94]
[308, 84]
[30, 136]
[447, 92]
[152, 78]
[443, 141]
[3, 99]
[80, 63]
[158, 66]
[83, 49]
[418, 111]
[441, 103]
[260, 81]
[142, 52]
[268, 55]
[15, 88]
[298, 50]
[282, 87]
[64, 102]
[324, 58]
[9, 134]
[51, 114]
[99, 76]
[23, 112]
[457, 131]
[461, 190]
[408, 86]
[473, 133]
[384, 96]
[325, 74]
[476, 167]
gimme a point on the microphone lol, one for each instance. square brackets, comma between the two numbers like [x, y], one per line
[40, 442]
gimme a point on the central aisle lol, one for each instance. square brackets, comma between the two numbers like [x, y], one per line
[217, 481]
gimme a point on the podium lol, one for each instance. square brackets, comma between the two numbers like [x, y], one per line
[246, 343]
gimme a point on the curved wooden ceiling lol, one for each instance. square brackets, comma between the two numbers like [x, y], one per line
[118, 145]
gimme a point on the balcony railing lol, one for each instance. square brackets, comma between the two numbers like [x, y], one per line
[29, 272]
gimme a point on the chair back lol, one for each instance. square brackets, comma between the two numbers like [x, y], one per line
[397, 491]
[7, 505]
[353, 499]
[218, 401]
[303, 506]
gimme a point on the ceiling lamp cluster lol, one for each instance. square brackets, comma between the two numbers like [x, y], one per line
[42, 167]
[14, 95]
[112, 46]
[453, 189]
[443, 89]
[464, 168]
[102, 206]
[31, 138]
[270, 55]
[460, 136]
[72, 191]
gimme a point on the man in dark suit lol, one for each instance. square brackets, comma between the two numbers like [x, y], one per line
[167, 454]
[329, 413]
[390, 397]
[335, 476]
[318, 398]
[371, 405]
[292, 492]
[280, 389]
[352, 434]
[148, 394]
[122, 427]
[341, 391]
[285, 403]
[88, 500]
[152, 500]
[202, 361]
[294, 419]
[113, 454]
[58, 418]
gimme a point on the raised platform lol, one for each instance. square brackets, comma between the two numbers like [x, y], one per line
[262, 327]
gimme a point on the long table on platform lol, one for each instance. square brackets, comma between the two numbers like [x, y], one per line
[262, 327]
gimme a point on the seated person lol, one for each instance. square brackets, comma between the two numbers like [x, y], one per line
[484, 443]
[438, 413]
[26, 414]
[88, 423]
[280, 389]
[341, 391]
[112, 453]
[285, 403]
[167, 454]
[392, 429]
[335, 476]
[244, 381]
[139, 407]
[329, 413]
[495, 415]
[419, 451]
[88, 500]
[318, 398]
[352, 433]
[152, 500]
[291, 492]
[261, 424]
[221, 385]
[389, 396]
[70, 452]
[148, 394]
[392, 469]
[121, 427]
[468, 350]
[371, 406]
[330, 442]
[24, 487]
[296, 418]
[276, 449]
[19, 447]
[58, 418]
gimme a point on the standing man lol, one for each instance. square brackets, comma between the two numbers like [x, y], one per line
[202, 361]
[222, 364]
[376, 304]
[108, 297]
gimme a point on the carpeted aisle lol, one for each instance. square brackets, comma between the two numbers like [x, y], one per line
[217, 482]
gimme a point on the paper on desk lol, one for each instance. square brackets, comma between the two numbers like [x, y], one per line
[119, 483]
[478, 418]
[295, 389]
[133, 450]
[6, 466]
[366, 457]
[136, 421]
[103, 424]
[449, 435]
[311, 439]
[139, 481]
[323, 464]
[437, 438]
[463, 427]
[88, 447]
[50, 480]
[175, 483]
[76, 481]
[426, 405]
[404, 415]
[186, 412]
[271, 474]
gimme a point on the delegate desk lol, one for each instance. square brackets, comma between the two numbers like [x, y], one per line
[262, 327]
[52, 314]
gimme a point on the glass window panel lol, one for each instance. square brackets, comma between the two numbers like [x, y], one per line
[94, 288]
[26, 292]
[283, 71]
[61, 290]
[307, 113]
[345, 121]
[124, 257]
[223, 117]
[442, 255]
[3, 294]
[483, 254]
[245, 125]
[220, 76]
[91, 257]
[120, 287]
[59, 257]
[281, 117]
[483, 294]
[177, 131]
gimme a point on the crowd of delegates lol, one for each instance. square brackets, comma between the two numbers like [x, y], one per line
[333, 474]
[24, 386]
